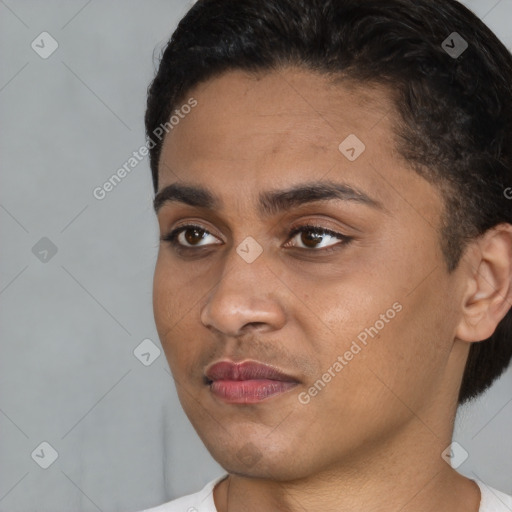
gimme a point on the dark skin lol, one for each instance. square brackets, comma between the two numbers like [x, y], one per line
[378, 428]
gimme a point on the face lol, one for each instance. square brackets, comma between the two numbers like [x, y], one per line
[353, 316]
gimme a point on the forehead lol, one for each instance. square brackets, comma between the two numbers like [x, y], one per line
[286, 111]
[257, 132]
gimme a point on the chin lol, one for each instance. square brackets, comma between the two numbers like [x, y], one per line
[261, 457]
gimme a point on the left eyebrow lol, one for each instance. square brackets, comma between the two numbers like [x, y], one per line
[274, 202]
[270, 202]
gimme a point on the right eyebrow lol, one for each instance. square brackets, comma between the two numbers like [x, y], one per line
[188, 194]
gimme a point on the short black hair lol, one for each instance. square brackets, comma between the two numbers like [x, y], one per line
[455, 110]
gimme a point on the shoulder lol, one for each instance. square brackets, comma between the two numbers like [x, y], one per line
[493, 500]
[201, 501]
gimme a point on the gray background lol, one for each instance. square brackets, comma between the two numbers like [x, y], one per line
[70, 323]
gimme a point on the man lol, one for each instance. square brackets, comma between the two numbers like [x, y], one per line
[334, 274]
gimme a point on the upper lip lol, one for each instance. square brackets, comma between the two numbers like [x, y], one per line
[247, 370]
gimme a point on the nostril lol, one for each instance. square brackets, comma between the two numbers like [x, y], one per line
[253, 325]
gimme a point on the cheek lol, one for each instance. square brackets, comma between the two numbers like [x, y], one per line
[168, 310]
[173, 295]
[176, 313]
[408, 356]
[392, 322]
[163, 304]
[343, 309]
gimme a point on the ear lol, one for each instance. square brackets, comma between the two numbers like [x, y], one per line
[488, 268]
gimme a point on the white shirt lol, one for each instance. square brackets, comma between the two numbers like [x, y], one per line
[202, 501]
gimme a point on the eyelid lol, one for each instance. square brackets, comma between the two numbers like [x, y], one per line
[312, 226]
[291, 233]
[308, 226]
[174, 233]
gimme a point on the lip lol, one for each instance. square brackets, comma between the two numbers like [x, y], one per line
[247, 382]
[247, 370]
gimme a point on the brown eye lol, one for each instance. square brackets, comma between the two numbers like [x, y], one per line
[188, 237]
[310, 239]
[313, 237]
[193, 235]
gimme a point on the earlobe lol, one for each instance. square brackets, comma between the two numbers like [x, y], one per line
[488, 267]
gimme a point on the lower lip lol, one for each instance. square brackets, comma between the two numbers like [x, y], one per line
[249, 391]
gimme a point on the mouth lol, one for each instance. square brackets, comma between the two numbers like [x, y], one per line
[248, 382]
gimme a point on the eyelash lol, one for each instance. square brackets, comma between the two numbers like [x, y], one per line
[345, 240]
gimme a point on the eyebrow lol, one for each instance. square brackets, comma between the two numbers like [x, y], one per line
[270, 202]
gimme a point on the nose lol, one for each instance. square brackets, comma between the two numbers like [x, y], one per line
[246, 297]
